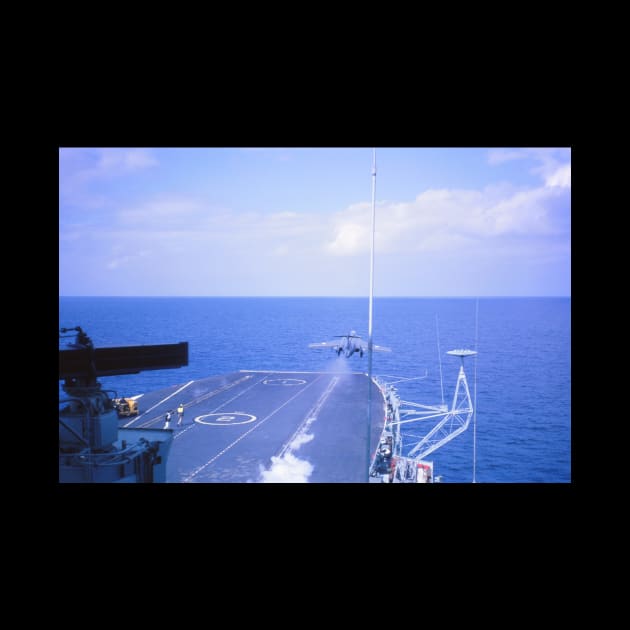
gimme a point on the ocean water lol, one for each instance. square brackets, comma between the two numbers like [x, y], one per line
[523, 370]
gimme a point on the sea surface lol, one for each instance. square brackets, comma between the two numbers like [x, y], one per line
[523, 369]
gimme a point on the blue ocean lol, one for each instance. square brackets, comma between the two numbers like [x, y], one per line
[522, 374]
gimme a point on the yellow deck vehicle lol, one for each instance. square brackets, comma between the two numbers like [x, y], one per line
[126, 407]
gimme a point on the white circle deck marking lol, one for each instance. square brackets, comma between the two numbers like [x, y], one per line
[284, 381]
[225, 419]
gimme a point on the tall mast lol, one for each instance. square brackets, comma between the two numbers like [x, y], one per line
[474, 479]
[372, 261]
[369, 414]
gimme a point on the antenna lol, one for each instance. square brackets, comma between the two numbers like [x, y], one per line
[372, 259]
[453, 421]
[439, 357]
[371, 299]
[474, 479]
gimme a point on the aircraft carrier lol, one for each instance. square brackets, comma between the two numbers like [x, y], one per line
[245, 427]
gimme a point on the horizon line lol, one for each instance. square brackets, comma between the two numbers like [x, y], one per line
[350, 297]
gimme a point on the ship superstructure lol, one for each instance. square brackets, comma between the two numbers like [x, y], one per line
[92, 447]
[394, 462]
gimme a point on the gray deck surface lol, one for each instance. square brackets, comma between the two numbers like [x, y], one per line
[313, 424]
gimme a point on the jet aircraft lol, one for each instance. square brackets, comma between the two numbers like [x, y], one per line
[348, 344]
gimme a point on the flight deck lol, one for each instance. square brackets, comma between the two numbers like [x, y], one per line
[252, 426]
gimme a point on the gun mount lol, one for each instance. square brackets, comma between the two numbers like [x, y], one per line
[91, 446]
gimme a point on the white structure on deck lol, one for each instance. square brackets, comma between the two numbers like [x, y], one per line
[450, 423]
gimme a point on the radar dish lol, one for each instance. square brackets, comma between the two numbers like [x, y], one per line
[462, 352]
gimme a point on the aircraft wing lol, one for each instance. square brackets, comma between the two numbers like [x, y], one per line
[376, 348]
[324, 344]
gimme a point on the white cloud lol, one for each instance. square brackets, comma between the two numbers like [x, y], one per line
[552, 164]
[560, 177]
[543, 154]
[78, 168]
[190, 246]
[439, 219]
[350, 236]
[114, 162]
[81, 166]
[139, 158]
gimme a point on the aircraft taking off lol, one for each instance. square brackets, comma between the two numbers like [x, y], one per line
[348, 344]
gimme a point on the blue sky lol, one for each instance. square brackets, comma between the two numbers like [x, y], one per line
[296, 221]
